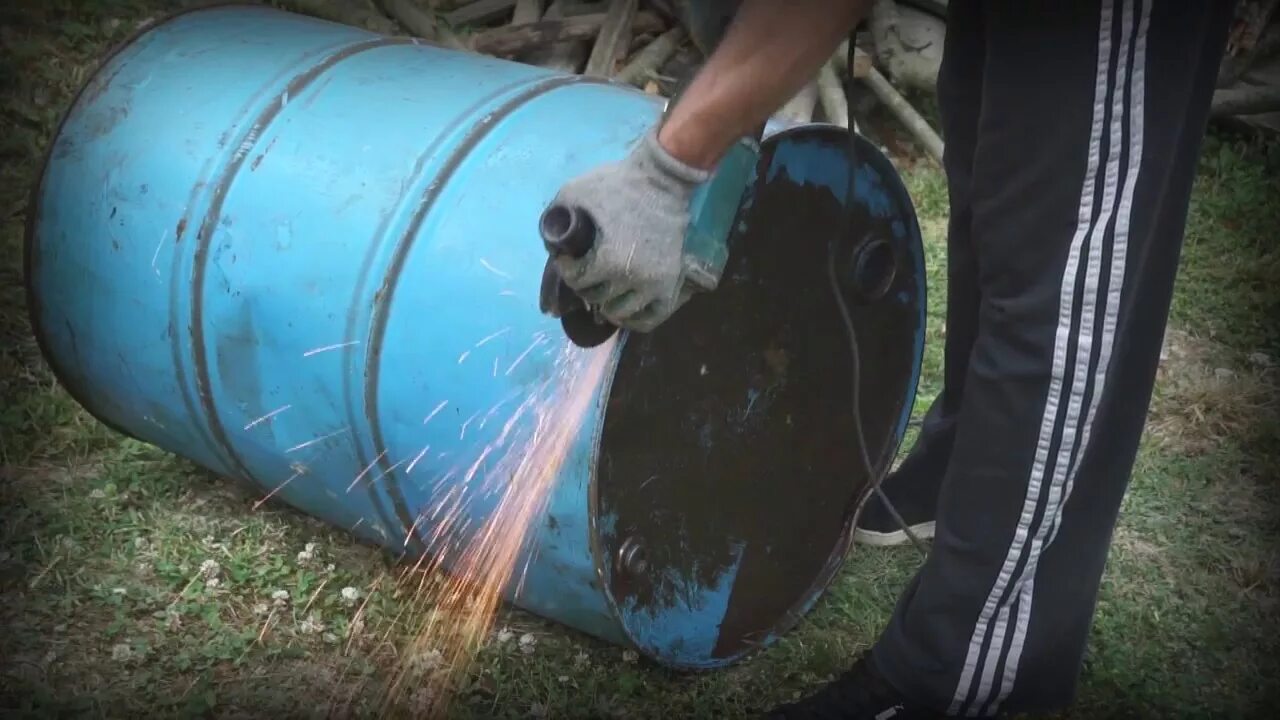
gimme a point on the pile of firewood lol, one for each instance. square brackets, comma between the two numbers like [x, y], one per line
[658, 44]
[1249, 79]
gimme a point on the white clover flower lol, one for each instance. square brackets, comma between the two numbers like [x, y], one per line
[527, 643]
[311, 625]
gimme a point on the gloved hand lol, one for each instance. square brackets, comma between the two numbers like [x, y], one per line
[636, 274]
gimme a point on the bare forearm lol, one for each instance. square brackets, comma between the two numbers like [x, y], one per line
[768, 54]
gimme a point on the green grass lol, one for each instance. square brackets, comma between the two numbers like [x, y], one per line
[112, 606]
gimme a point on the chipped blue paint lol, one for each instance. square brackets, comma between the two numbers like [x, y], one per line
[690, 627]
[607, 523]
[810, 162]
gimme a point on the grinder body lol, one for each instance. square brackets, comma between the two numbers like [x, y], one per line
[713, 210]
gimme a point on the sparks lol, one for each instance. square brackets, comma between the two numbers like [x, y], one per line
[524, 354]
[493, 269]
[483, 546]
[485, 340]
[435, 412]
[327, 348]
[296, 472]
[476, 465]
[409, 535]
[418, 457]
[267, 417]
[484, 420]
[366, 470]
[388, 471]
[320, 439]
[156, 257]
[463, 432]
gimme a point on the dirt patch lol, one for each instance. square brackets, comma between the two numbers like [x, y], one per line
[1206, 395]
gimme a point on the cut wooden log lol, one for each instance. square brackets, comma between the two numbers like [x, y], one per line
[706, 20]
[480, 11]
[677, 72]
[526, 11]
[908, 44]
[912, 120]
[831, 96]
[1269, 44]
[513, 39]
[800, 108]
[937, 8]
[1245, 100]
[861, 62]
[421, 23]
[645, 63]
[665, 8]
[573, 8]
[357, 13]
[613, 39]
[567, 56]
[1244, 43]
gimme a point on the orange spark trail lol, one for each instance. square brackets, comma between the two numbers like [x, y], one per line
[483, 545]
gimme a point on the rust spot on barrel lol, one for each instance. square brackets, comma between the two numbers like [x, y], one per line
[182, 226]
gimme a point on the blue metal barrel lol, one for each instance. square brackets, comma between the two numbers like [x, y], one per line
[306, 256]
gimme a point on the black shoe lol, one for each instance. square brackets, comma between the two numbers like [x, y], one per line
[859, 694]
[915, 499]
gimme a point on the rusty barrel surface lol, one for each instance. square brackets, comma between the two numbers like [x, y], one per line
[306, 256]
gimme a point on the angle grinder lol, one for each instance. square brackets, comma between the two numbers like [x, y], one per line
[713, 210]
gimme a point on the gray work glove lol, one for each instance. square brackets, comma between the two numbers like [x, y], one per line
[637, 274]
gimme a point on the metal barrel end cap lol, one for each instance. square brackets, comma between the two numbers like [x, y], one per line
[728, 474]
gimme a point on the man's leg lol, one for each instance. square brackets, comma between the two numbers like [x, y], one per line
[913, 486]
[1091, 121]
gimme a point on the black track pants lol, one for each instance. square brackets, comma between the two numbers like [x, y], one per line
[1072, 131]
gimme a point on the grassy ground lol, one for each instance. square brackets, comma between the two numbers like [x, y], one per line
[136, 584]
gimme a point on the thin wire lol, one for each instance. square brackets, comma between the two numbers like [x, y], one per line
[850, 197]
